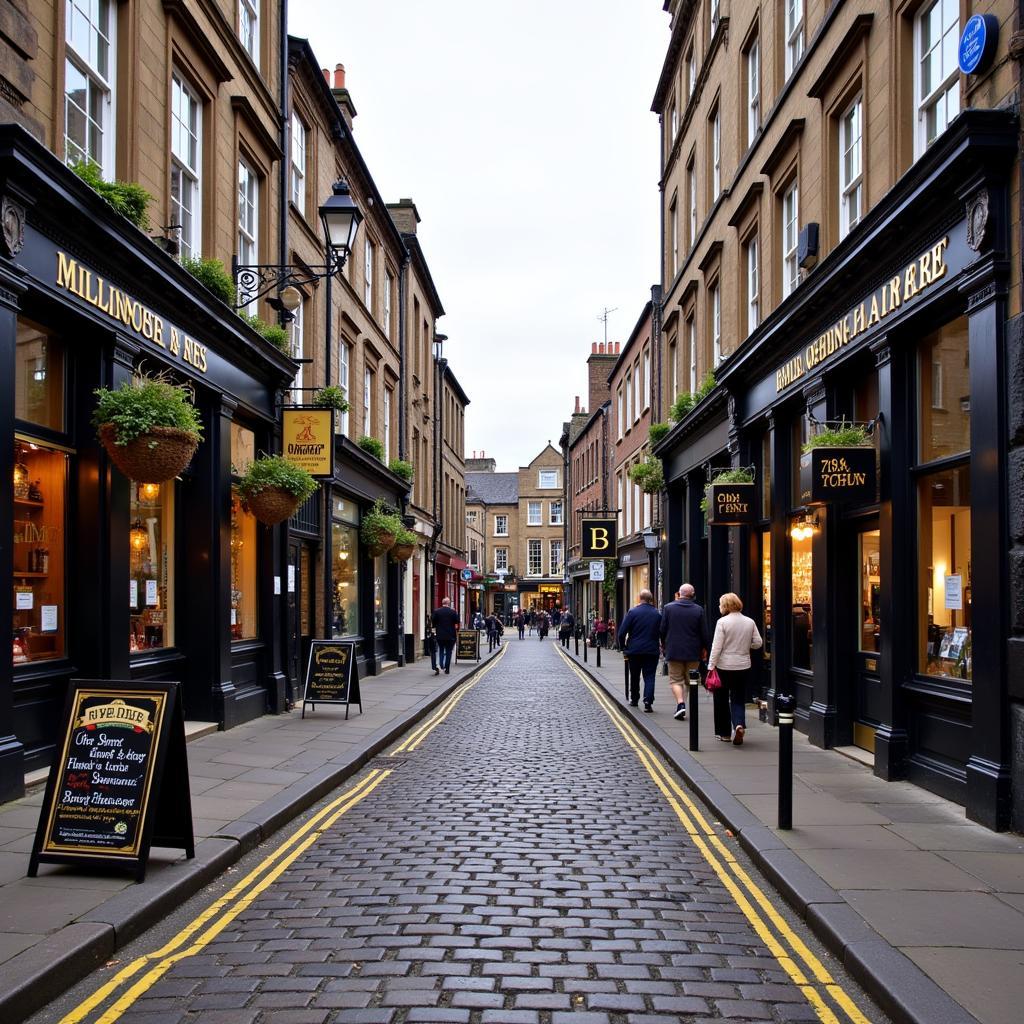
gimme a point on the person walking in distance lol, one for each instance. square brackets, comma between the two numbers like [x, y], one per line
[520, 623]
[640, 639]
[685, 641]
[736, 636]
[445, 621]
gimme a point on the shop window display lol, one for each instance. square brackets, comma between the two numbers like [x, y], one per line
[869, 629]
[345, 554]
[380, 593]
[40, 495]
[39, 377]
[243, 570]
[801, 537]
[151, 584]
[766, 592]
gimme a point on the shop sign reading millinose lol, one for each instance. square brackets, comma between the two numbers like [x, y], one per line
[732, 504]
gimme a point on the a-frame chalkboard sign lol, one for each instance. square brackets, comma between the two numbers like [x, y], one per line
[332, 675]
[119, 784]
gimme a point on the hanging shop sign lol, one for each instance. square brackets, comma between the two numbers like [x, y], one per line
[597, 572]
[919, 275]
[838, 474]
[308, 439]
[104, 801]
[978, 43]
[77, 279]
[732, 504]
[332, 676]
[467, 647]
[599, 538]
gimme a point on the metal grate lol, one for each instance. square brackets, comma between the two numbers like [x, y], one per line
[384, 763]
[307, 518]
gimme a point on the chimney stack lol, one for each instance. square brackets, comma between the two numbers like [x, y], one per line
[593, 348]
[326, 74]
[577, 409]
[341, 94]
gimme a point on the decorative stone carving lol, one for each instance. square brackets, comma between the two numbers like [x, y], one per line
[12, 215]
[977, 219]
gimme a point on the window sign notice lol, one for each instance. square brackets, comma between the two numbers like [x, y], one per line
[277, 584]
[954, 593]
[151, 595]
[291, 579]
[23, 600]
[133, 593]
[597, 572]
[48, 622]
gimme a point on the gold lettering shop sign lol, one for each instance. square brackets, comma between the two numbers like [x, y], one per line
[109, 299]
[924, 271]
[308, 439]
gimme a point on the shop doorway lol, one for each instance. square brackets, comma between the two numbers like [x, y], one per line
[299, 603]
[866, 633]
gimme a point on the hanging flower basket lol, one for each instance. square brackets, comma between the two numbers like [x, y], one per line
[384, 543]
[838, 464]
[158, 455]
[273, 505]
[380, 528]
[402, 552]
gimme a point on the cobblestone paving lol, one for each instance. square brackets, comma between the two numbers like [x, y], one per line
[518, 868]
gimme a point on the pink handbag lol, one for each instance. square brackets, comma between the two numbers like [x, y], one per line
[713, 681]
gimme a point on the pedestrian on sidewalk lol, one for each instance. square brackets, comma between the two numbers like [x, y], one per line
[565, 628]
[494, 630]
[541, 618]
[736, 636]
[601, 629]
[445, 621]
[430, 646]
[685, 640]
[640, 638]
[530, 617]
[520, 623]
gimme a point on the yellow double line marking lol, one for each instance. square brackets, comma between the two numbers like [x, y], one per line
[216, 917]
[715, 852]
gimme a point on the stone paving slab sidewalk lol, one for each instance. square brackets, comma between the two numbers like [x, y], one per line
[925, 908]
[245, 783]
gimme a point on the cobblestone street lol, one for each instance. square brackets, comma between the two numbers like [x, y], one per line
[518, 865]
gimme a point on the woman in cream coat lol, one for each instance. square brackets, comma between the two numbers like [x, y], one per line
[736, 636]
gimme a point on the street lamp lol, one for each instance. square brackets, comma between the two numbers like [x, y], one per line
[341, 217]
[652, 540]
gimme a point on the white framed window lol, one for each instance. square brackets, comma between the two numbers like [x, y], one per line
[673, 120]
[555, 558]
[851, 176]
[716, 13]
[753, 91]
[753, 286]
[474, 553]
[647, 511]
[636, 508]
[691, 184]
[501, 526]
[389, 284]
[618, 503]
[555, 513]
[343, 364]
[621, 411]
[533, 513]
[691, 73]
[249, 28]
[186, 166]
[296, 347]
[298, 178]
[647, 378]
[368, 258]
[716, 154]
[794, 28]
[534, 558]
[248, 221]
[716, 323]
[387, 425]
[790, 239]
[89, 76]
[501, 559]
[673, 369]
[636, 392]
[367, 402]
[673, 219]
[629, 400]
[471, 519]
[547, 479]
[691, 341]
[937, 81]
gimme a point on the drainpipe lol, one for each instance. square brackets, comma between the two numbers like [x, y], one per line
[403, 276]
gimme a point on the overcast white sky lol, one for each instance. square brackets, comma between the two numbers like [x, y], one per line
[523, 132]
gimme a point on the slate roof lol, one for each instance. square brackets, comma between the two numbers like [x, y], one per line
[493, 488]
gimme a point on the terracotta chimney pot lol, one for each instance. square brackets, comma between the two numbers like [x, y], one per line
[339, 76]
[326, 74]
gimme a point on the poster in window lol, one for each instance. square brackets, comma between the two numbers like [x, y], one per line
[954, 593]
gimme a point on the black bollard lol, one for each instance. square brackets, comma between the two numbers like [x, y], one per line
[692, 709]
[598, 653]
[625, 672]
[577, 638]
[586, 644]
[784, 706]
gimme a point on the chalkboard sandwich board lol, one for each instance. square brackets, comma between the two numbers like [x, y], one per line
[467, 646]
[332, 676]
[120, 782]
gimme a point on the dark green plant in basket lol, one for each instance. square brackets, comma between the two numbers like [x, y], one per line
[649, 475]
[274, 471]
[126, 197]
[380, 527]
[841, 436]
[401, 468]
[372, 446]
[145, 402]
[657, 432]
[331, 397]
[726, 476]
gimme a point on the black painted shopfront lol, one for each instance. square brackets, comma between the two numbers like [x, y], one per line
[112, 578]
[887, 617]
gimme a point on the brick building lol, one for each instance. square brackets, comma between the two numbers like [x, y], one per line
[540, 547]
[494, 498]
[841, 243]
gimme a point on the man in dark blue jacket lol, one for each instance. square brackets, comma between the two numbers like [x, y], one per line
[685, 640]
[640, 640]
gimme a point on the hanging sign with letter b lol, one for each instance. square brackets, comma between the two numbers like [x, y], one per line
[599, 538]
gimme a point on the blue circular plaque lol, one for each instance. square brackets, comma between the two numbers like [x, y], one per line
[978, 43]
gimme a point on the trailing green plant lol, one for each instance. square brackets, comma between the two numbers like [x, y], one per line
[657, 432]
[378, 520]
[145, 402]
[402, 468]
[405, 536]
[611, 572]
[275, 471]
[331, 397]
[707, 385]
[726, 476]
[274, 333]
[842, 436]
[649, 475]
[126, 197]
[372, 446]
[212, 274]
[681, 407]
